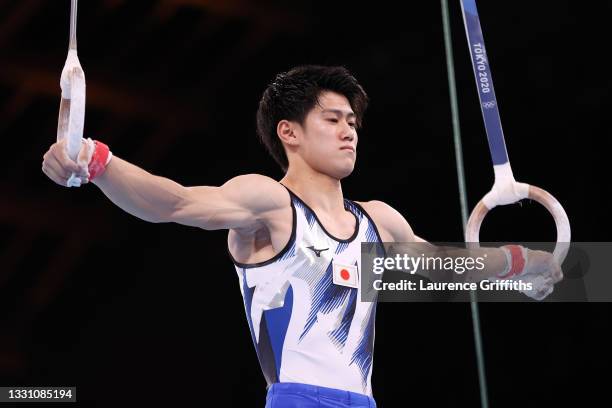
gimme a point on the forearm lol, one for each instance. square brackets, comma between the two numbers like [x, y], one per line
[140, 193]
[451, 264]
[494, 260]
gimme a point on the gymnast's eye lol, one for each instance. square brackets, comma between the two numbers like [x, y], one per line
[352, 124]
[334, 120]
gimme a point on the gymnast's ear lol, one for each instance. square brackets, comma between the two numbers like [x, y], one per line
[286, 131]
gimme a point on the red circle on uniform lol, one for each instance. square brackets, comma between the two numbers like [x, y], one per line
[345, 274]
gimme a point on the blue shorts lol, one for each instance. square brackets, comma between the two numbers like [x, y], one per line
[295, 395]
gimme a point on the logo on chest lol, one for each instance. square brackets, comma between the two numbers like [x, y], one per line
[345, 275]
[316, 251]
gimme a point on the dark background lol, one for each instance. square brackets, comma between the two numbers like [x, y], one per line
[135, 313]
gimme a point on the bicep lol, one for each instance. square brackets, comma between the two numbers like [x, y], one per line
[243, 202]
[392, 225]
[398, 226]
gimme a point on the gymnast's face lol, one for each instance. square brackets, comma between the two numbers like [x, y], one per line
[327, 142]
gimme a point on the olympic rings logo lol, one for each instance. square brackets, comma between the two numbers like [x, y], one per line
[488, 105]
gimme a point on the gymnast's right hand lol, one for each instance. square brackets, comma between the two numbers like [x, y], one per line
[58, 166]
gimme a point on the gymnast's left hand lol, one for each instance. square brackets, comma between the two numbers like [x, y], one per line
[542, 271]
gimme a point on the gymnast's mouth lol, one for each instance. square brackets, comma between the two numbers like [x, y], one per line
[351, 148]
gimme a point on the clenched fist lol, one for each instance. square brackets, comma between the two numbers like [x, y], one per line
[58, 166]
[542, 271]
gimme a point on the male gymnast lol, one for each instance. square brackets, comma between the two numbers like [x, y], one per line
[295, 243]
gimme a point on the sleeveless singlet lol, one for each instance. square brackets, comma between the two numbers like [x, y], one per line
[303, 306]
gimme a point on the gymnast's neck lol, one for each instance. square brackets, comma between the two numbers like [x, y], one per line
[322, 192]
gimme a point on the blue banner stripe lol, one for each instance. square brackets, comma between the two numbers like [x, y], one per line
[484, 83]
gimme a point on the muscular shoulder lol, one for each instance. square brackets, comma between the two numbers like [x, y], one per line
[392, 226]
[246, 202]
[257, 192]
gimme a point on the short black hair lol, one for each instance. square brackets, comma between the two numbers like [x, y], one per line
[294, 93]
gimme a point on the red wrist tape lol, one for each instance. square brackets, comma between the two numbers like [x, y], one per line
[518, 261]
[97, 164]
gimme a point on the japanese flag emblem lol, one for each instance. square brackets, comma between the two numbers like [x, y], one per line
[345, 275]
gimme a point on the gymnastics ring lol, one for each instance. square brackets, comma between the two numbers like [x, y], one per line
[72, 105]
[505, 189]
[472, 231]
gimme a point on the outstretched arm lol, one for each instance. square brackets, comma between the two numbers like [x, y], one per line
[243, 202]
[501, 263]
[393, 227]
